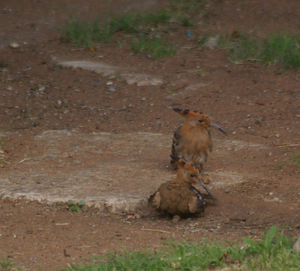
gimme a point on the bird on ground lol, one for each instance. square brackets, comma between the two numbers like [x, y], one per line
[192, 140]
[180, 197]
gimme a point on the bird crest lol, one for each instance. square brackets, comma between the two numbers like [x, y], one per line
[193, 116]
[197, 118]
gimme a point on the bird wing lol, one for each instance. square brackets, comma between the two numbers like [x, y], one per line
[155, 200]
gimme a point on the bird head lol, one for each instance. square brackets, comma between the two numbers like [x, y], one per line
[198, 119]
[189, 174]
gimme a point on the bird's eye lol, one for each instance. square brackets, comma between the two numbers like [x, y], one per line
[193, 175]
[200, 121]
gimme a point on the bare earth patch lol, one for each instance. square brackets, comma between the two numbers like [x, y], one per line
[113, 172]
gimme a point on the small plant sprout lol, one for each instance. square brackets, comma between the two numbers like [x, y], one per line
[75, 206]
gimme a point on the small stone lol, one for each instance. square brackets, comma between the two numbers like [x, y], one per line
[227, 189]
[109, 83]
[42, 88]
[112, 89]
[59, 102]
[14, 45]
[296, 246]
[277, 135]
[144, 99]
[211, 43]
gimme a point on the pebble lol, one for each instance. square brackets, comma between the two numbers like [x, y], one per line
[14, 45]
[296, 246]
[42, 88]
[227, 190]
[112, 89]
[109, 83]
[211, 43]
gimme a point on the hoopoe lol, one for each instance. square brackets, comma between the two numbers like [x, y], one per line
[179, 196]
[192, 141]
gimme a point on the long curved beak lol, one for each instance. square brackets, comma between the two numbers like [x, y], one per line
[206, 188]
[221, 129]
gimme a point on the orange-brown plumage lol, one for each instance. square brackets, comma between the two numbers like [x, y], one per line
[179, 196]
[192, 141]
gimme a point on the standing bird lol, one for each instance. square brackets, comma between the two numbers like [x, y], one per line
[192, 141]
[179, 196]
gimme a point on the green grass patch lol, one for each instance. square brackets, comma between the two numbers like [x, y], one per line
[155, 47]
[282, 49]
[75, 206]
[140, 26]
[279, 49]
[273, 252]
[84, 33]
[6, 264]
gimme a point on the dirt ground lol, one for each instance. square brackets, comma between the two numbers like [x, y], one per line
[255, 103]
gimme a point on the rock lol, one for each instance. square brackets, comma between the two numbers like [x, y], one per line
[211, 43]
[112, 89]
[227, 189]
[14, 45]
[296, 246]
[114, 71]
